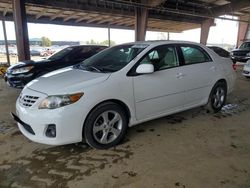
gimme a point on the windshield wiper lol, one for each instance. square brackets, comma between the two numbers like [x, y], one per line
[94, 68]
[79, 66]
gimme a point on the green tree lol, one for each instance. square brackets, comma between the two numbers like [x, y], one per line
[91, 42]
[46, 41]
[106, 43]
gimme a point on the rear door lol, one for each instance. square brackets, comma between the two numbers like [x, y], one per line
[199, 71]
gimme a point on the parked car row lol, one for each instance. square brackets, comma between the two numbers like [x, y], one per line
[18, 75]
[98, 99]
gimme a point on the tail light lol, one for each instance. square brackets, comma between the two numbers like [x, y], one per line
[234, 66]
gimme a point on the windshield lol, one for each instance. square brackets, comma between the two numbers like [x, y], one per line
[112, 59]
[60, 54]
[245, 45]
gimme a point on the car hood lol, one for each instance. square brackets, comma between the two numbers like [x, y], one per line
[241, 50]
[28, 63]
[66, 80]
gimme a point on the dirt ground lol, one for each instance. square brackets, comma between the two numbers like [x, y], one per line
[192, 149]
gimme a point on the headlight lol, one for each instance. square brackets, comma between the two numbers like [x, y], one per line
[57, 101]
[22, 70]
[248, 54]
[231, 53]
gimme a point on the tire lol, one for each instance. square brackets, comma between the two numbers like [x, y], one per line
[217, 97]
[248, 77]
[105, 126]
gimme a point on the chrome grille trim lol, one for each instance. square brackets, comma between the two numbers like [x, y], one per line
[27, 100]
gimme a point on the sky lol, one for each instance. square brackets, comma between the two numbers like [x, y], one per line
[225, 32]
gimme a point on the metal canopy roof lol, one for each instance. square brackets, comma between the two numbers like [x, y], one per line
[168, 15]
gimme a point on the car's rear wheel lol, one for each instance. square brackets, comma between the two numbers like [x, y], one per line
[105, 126]
[217, 97]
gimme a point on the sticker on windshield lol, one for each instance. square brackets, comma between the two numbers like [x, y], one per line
[140, 46]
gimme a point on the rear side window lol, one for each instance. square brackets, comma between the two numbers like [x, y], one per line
[193, 55]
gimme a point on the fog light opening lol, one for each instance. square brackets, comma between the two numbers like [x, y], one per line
[51, 131]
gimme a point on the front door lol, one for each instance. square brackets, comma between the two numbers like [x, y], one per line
[162, 91]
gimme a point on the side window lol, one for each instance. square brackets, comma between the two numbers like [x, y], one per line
[81, 53]
[162, 57]
[194, 55]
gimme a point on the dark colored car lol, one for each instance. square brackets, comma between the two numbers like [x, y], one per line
[220, 51]
[20, 74]
[34, 52]
[242, 54]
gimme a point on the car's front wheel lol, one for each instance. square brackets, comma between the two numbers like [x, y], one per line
[105, 126]
[217, 97]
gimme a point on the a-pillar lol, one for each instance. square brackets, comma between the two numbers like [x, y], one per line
[242, 32]
[21, 28]
[141, 21]
[205, 27]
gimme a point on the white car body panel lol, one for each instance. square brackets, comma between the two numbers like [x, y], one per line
[145, 96]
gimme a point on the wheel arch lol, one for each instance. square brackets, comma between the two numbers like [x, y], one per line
[116, 101]
[222, 80]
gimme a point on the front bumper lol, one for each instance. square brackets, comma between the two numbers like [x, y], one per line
[240, 58]
[34, 122]
[246, 71]
[19, 80]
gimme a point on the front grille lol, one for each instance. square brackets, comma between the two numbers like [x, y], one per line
[245, 72]
[239, 53]
[27, 100]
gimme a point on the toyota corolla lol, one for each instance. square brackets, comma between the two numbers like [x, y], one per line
[98, 99]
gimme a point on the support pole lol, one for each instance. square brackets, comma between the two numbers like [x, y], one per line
[22, 38]
[242, 32]
[141, 21]
[6, 43]
[109, 36]
[205, 27]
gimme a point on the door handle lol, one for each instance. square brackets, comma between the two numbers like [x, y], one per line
[180, 75]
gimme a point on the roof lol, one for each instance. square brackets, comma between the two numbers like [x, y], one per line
[164, 15]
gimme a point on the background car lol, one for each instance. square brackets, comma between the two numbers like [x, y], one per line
[20, 74]
[34, 52]
[46, 52]
[98, 99]
[246, 70]
[220, 51]
[242, 54]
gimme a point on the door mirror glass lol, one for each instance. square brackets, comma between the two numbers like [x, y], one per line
[145, 69]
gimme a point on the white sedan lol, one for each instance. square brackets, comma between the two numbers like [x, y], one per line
[122, 86]
[246, 69]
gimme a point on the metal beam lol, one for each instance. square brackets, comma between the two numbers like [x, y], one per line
[6, 43]
[6, 10]
[41, 13]
[233, 6]
[21, 28]
[56, 15]
[77, 14]
[155, 3]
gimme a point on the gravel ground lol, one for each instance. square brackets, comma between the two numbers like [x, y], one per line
[192, 149]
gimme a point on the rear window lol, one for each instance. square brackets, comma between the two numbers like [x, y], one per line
[193, 55]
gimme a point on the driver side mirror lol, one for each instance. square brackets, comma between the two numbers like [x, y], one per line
[145, 69]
